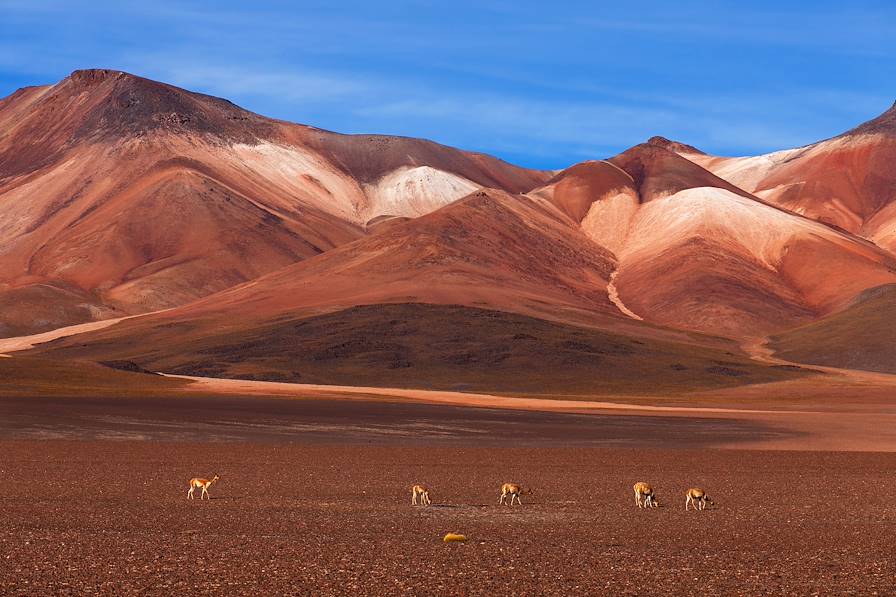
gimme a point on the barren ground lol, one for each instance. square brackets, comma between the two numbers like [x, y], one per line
[296, 518]
[314, 491]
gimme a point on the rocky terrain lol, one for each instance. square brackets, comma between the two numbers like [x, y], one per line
[112, 517]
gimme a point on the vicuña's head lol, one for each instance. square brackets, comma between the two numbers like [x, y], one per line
[708, 500]
[525, 491]
[216, 477]
[655, 503]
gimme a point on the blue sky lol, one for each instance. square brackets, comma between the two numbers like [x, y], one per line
[540, 84]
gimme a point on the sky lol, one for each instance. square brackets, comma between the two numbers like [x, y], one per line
[541, 84]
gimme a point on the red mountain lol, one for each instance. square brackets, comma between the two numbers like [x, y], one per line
[288, 252]
[847, 181]
[123, 195]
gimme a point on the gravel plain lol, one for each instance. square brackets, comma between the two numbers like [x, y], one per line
[111, 517]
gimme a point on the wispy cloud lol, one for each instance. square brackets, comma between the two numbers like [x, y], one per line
[544, 87]
[288, 84]
[599, 128]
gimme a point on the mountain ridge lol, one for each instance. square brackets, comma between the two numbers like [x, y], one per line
[170, 185]
[218, 222]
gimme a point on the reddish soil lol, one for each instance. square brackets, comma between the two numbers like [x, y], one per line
[112, 517]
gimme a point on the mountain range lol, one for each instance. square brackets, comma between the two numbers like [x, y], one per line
[254, 248]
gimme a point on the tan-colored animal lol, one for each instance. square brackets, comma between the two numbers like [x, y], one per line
[645, 496]
[421, 491]
[514, 491]
[697, 498]
[204, 484]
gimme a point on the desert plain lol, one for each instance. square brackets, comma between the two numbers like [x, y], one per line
[314, 495]
[188, 289]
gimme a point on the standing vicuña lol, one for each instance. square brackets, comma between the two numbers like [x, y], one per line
[697, 497]
[423, 492]
[204, 484]
[514, 491]
[644, 496]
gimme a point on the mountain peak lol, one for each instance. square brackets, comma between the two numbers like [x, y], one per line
[118, 103]
[92, 76]
[658, 171]
[106, 106]
[883, 124]
[671, 145]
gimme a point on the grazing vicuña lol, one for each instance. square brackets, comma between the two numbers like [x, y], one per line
[645, 496]
[514, 491]
[423, 492]
[204, 484]
[696, 497]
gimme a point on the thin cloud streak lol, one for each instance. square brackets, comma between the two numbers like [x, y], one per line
[290, 85]
[543, 87]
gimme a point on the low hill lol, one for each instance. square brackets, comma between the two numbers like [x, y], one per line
[860, 337]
